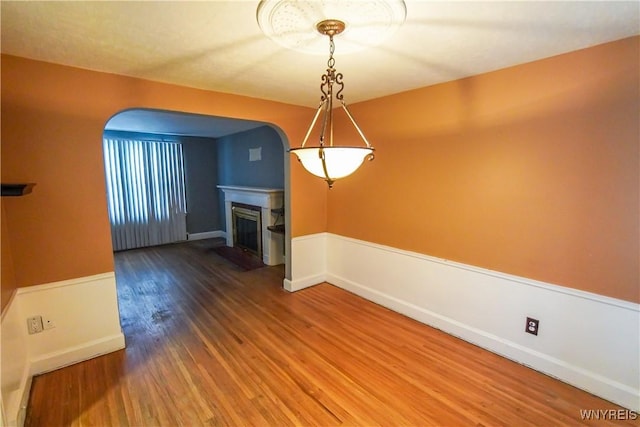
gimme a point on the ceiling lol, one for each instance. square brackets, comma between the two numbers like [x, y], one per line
[218, 45]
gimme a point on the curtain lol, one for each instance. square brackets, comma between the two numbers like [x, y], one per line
[145, 192]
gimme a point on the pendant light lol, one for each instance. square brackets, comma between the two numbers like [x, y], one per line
[327, 160]
[290, 23]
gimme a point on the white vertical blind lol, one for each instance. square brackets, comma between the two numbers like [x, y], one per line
[145, 191]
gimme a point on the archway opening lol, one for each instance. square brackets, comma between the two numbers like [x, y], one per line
[216, 151]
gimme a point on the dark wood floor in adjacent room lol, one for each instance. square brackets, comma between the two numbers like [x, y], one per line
[211, 344]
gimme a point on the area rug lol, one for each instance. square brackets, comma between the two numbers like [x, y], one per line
[243, 259]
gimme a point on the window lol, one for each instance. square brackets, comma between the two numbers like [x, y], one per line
[145, 192]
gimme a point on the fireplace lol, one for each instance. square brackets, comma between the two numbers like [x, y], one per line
[247, 227]
[264, 207]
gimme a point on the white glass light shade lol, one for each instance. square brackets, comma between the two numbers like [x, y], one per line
[340, 161]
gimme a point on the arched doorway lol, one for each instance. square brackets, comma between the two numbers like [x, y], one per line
[217, 151]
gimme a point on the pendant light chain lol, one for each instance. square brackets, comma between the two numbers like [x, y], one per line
[327, 99]
[332, 48]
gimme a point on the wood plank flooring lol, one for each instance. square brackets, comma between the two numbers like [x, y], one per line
[210, 344]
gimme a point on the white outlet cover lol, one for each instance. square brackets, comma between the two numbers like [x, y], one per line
[34, 324]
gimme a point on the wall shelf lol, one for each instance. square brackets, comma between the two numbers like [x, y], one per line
[276, 228]
[15, 190]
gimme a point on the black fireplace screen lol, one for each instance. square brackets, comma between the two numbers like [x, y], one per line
[247, 233]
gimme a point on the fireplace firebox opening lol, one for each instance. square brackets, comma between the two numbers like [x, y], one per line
[247, 227]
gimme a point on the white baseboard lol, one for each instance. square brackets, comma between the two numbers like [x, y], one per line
[69, 356]
[15, 379]
[561, 369]
[587, 340]
[24, 401]
[87, 324]
[304, 282]
[206, 235]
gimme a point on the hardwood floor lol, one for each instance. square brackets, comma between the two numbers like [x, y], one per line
[211, 344]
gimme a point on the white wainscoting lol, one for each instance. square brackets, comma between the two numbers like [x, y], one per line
[587, 340]
[15, 363]
[87, 324]
[308, 262]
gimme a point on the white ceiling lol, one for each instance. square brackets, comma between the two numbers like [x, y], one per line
[218, 45]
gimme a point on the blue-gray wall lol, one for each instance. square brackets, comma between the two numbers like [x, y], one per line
[201, 180]
[235, 168]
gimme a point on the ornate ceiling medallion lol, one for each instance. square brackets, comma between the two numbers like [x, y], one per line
[292, 23]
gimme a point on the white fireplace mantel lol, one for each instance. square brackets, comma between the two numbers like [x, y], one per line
[266, 199]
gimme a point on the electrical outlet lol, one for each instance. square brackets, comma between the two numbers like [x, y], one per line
[532, 326]
[47, 323]
[34, 324]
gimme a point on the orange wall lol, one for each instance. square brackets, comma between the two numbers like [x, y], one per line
[52, 122]
[531, 170]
